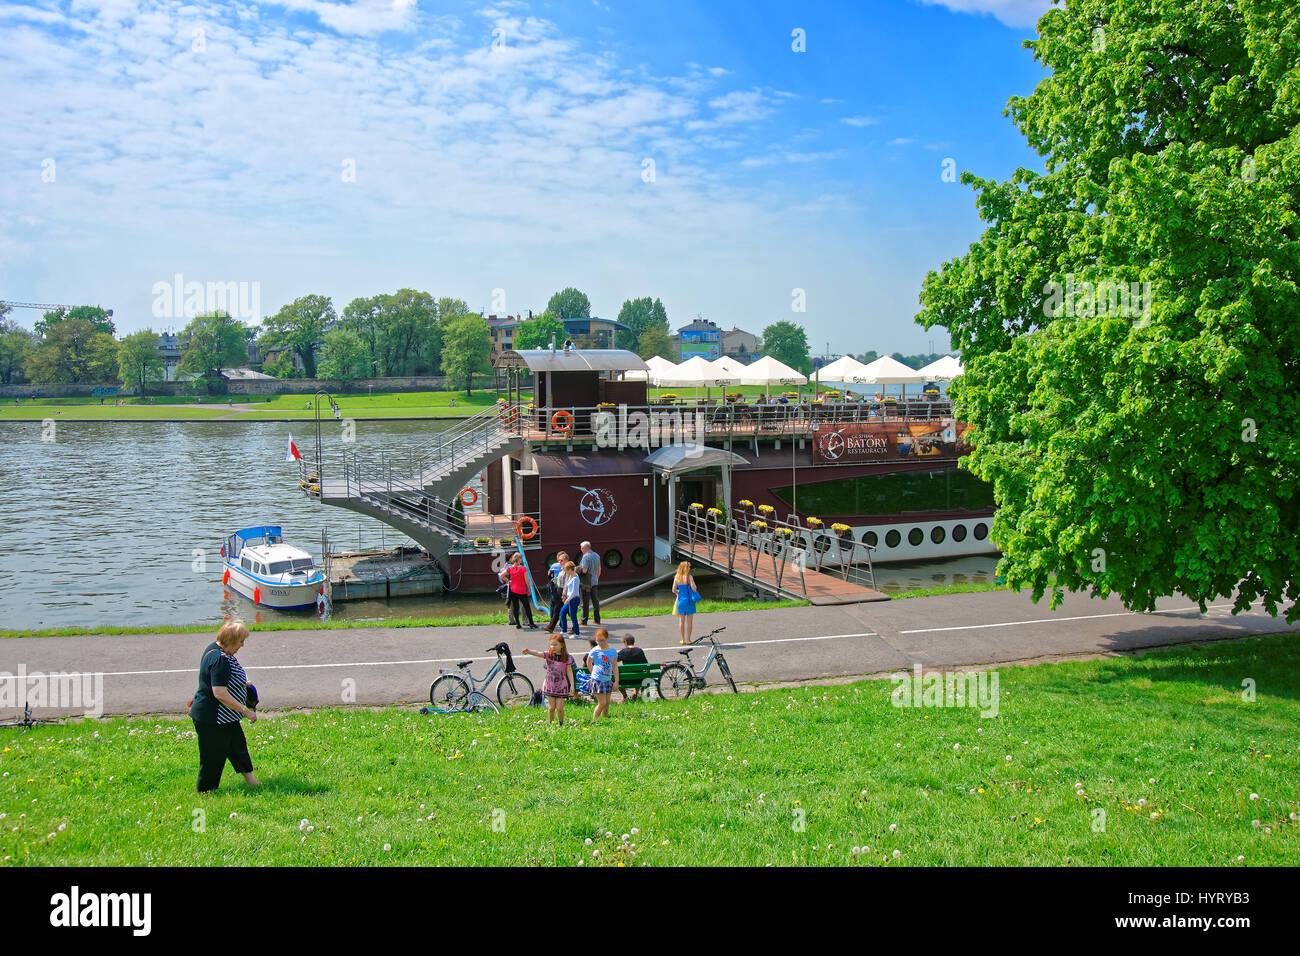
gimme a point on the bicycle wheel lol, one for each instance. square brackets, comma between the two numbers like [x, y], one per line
[448, 692]
[514, 691]
[676, 680]
[726, 672]
[477, 703]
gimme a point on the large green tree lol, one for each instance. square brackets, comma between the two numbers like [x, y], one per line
[401, 330]
[640, 316]
[99, 318]
[466, 349]
[539, 331]
[73, 351]
[788, 342]
[1141, 439]
[210, 342]
[345, 356]
[654, 342]
[300, 326]
[569, 304]
[16, 344]
[139, 363]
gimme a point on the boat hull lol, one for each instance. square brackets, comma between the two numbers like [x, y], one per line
[273, 594]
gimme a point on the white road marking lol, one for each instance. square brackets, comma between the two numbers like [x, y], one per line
[433, 660]
[1057, 620]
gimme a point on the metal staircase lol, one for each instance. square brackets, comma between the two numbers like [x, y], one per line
[417, 494]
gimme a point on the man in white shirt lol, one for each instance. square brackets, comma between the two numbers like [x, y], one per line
[590, 562]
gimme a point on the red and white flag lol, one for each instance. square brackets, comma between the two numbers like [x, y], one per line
[292, 453]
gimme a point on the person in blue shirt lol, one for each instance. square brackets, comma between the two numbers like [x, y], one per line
[604, 673]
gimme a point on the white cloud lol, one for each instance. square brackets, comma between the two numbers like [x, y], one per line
[901, 141]
[1014, 13]
[860, 120]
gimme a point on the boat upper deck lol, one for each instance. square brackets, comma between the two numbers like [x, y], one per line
[716, 421]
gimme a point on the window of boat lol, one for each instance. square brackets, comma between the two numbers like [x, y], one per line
[303, 564]
[889, 494]
[280, 567]
[246, 564]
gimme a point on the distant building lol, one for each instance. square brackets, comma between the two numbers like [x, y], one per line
[740, 344]
[244, 375]
[592, 333]
[700, 337]
[503, 328]
[169, 348]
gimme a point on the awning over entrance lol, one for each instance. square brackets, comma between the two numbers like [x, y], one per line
[679, 459]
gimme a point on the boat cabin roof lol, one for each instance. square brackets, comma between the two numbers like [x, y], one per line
[571, 360]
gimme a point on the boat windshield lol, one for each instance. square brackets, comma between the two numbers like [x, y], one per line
[297, 564]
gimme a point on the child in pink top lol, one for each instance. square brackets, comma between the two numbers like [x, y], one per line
[558, 686]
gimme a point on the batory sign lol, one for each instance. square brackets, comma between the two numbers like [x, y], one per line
[852, 443]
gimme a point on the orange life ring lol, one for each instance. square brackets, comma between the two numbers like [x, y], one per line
[533, 528]
[473, 496]
[567, 425]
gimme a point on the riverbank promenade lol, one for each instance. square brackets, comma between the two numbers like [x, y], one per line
[156, 673]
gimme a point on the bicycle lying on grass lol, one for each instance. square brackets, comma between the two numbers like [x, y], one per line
[450, 692]
[680, 679]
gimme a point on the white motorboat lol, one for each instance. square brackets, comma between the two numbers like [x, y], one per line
[262, 568]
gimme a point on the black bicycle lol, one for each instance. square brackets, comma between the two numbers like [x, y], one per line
[680, 679]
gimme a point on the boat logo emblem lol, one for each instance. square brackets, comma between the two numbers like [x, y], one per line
[597, 505]
[833, 445]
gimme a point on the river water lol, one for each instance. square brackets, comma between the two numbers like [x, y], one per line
[121, 523]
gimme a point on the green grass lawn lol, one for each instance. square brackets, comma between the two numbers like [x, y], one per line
[622, 611]
[252, 408]
[1164, 745]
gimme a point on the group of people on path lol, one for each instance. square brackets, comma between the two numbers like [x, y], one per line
[570, 585]
[224, 697]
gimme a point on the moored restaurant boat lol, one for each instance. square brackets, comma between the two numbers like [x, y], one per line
[593, 457]
[262, 568]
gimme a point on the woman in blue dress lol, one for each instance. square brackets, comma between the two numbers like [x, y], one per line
[684, 588]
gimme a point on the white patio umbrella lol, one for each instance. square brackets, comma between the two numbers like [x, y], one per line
[658, 372]
[729, 364]
[698, 371]
[767, 372]
[846, 371]
[888, 371]
[942, 370]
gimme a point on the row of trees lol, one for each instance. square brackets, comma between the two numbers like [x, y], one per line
[399, 334]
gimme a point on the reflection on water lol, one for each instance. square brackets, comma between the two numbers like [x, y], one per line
[916, 575]
[121, 523]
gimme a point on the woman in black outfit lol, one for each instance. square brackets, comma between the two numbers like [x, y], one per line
[218, 706]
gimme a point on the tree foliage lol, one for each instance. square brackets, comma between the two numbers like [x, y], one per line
[640, 316]
[569, 304]
[787, 342]
[345, 356]
[401, 330]
[210, 342]
[16, 345]
[539, 331]
[1142, 445]
[300, 326]
[93, 314]
[73, 351]
[466, 348]
[655, 341]
[139, 363]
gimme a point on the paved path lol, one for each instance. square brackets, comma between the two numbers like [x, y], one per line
[155, 673]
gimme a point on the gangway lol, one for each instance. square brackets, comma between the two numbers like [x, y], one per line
[781, 558]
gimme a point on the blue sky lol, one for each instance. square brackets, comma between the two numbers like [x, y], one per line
[498, 152]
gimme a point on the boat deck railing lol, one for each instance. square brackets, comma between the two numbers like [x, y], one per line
[716, 421]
